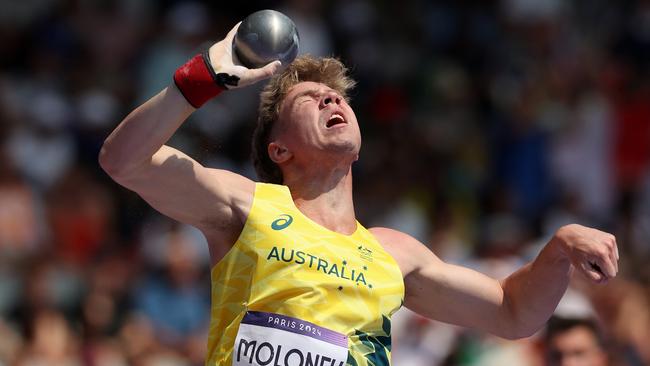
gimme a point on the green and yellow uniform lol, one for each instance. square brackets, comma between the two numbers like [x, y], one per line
[291, 292]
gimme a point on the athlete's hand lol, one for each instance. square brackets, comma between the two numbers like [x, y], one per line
[226, 64]
[592, 252]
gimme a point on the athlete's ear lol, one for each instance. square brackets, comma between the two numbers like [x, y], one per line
[279, 153]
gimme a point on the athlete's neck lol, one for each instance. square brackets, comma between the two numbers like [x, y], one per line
[325, 196]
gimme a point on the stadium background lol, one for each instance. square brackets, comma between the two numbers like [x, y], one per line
[486, 126]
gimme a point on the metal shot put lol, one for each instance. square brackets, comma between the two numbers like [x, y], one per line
[265, 36]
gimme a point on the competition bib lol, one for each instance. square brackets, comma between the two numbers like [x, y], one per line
[277, 340]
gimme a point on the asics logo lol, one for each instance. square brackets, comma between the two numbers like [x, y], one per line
[282, 222]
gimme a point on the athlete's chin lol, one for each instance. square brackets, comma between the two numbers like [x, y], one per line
[350, 148]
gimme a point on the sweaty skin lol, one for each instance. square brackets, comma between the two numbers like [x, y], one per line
[315, 142]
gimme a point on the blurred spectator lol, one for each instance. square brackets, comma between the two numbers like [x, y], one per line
[575, 342]
[137, 337]
[11, 344]
[47, 284]
[313, 30]
[80, 213]
[106, 353]
[42, 153]
[175, 300]
[419, 341]
[585, 140]
[21, 224]
[50, 341]
[183, 30]
[624, 308]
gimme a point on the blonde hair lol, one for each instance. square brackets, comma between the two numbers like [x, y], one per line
[329, 71]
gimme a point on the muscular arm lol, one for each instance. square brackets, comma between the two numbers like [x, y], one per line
[172, 182]
[134, 155]
[512, 308]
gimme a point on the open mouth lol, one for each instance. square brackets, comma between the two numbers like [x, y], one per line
[335, 120]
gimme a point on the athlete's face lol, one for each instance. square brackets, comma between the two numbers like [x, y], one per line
[315, 119]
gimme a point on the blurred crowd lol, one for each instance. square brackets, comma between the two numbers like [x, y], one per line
[487, 125]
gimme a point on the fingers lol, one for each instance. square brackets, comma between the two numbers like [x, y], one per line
[231, 35]
[592, 251]
[612, 250]
[613, 258]
[600, 268]
[264, 72]
[607, 266]
[592, 272]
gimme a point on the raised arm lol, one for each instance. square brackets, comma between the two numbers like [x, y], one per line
[135, 156]
[512, 308]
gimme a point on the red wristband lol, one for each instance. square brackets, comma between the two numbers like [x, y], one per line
[196, 81]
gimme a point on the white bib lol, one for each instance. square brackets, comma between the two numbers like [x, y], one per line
[267, 339]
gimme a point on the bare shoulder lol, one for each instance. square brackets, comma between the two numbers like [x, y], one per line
[224, 226]
[237, 187]
[233, 193]
[409, 253]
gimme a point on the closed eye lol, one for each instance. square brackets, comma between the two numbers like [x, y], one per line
[305, 99]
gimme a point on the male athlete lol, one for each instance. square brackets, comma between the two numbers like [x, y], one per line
[296, 280]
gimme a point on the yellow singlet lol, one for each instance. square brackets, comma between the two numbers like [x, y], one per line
[293, 293]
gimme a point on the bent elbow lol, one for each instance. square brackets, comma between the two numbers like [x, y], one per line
[519, 335]
[514, 332]
[112, 164]
[107, 162]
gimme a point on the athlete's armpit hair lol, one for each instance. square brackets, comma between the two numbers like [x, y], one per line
[329, 71]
